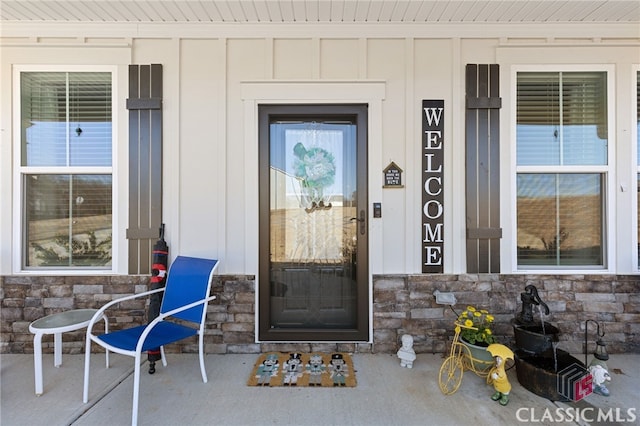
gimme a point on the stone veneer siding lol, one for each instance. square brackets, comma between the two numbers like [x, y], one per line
[402, 304]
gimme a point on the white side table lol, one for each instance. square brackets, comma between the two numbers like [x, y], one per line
[57, 324]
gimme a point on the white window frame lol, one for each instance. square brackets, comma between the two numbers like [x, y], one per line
[19, 170]
[609, 225]
[635, 69]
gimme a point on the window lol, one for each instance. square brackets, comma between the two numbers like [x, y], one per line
[562, 168]
[65, 169]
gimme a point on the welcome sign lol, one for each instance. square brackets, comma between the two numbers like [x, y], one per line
[432, 186]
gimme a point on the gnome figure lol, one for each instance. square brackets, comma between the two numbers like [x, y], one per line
[600, 377]
[497, 374]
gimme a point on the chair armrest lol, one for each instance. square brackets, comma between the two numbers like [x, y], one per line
[96, 317]
[161, 317]
[184, 308]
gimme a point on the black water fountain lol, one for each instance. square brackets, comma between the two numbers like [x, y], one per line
[538, 361]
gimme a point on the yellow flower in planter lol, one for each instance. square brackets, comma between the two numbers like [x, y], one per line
[477, 326]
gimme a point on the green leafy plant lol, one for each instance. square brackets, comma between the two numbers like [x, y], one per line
[475, 326]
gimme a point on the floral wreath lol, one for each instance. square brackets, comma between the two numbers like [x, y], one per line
[315, 166]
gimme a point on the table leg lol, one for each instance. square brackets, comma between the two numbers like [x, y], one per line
[57, 349]
[37, 361]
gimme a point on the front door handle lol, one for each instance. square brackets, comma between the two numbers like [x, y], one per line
[362, 220]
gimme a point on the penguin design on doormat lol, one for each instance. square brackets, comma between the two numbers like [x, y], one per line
[339, 370]
[315, 368]
[292, 369]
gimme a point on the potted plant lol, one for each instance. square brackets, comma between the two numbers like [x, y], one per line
[476, 334]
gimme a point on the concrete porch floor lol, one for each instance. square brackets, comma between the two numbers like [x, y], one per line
[386, 394]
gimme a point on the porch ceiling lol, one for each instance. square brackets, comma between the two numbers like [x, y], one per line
[320, 11]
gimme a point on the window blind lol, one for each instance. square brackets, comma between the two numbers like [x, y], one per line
[66, 119]
[561, 118]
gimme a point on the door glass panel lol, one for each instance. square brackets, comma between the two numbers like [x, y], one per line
[313, 224]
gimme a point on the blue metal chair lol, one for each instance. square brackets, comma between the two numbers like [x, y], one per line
[186, 296]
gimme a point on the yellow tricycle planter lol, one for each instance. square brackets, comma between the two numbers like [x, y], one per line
[460, 359]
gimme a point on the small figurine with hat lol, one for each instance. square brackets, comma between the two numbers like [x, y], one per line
[497, 374]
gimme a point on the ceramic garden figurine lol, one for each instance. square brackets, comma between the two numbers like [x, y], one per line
[497, 375]
[600, 376]
[406, 353]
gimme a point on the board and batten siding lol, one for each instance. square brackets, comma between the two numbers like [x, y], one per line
[208, 163]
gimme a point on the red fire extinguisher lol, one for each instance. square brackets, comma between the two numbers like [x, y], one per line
[159, 262]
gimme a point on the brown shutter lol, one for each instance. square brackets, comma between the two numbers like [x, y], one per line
[483, 168]
[145, 164]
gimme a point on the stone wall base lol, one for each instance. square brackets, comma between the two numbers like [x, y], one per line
[403, 304]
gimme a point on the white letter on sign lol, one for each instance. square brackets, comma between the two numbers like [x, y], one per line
[431, 115]
[435, 180]
[432, 235]
[433, 139]
[436, 205]
[434, 255]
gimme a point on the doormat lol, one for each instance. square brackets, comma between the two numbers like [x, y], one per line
[303, 369]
